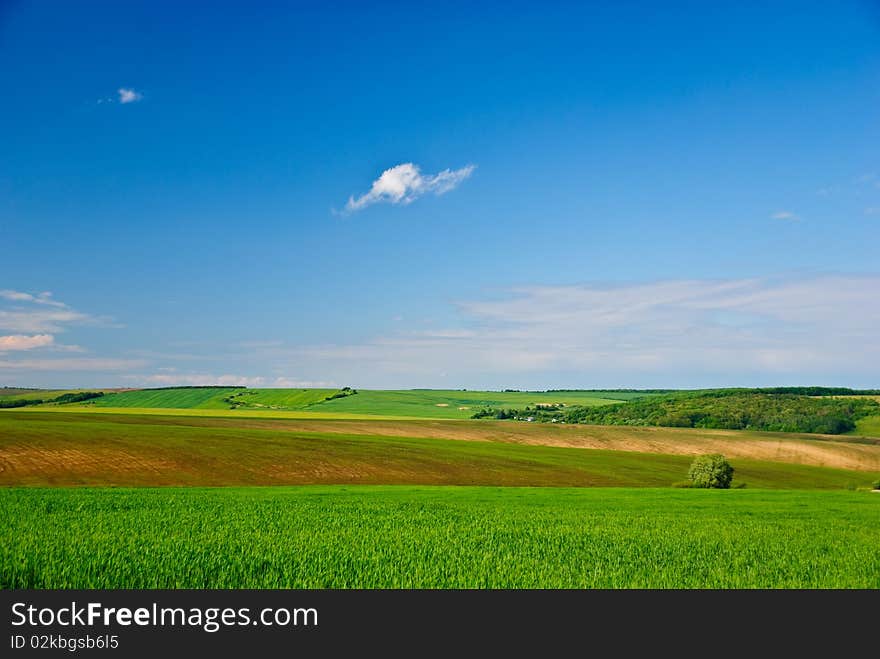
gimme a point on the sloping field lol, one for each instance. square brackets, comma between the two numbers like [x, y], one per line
[867, 427]
[101, 449]
[418, 403]
[838, 451]
[212, 412]
[41, 394]
[184, 398]
[7, 392]
[216, 398]
[451, 404]
[282, 399]
[437, 537]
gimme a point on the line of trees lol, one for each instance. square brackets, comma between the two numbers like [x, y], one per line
[727, 409]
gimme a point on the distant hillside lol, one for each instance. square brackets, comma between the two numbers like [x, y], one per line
[172, 397]
[44, 397]
[791, 409]
[426, 403]
[723, 409]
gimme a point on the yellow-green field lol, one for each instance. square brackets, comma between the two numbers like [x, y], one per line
[416, 403]
[867, 427]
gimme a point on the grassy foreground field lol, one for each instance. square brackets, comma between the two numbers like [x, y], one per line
[421, 537]
[56, 448]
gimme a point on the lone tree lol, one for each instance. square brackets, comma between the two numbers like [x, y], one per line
[712, 471]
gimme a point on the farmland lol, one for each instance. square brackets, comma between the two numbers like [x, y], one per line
[446, 537]
[183, 398]
[79, 448]
[416, 403]
[326, 488]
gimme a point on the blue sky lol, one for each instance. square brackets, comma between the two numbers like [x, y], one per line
[574, 194]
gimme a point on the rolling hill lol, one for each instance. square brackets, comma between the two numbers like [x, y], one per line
[57, 448]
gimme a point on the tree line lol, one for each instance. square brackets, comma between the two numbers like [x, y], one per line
[728, 409]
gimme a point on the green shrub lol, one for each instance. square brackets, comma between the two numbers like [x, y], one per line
[711, 471]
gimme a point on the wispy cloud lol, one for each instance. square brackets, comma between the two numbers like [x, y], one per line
[40, 298]
[39, 313]
[169, 378]
[81, 364]
[405, 183]
[128, 95]
[717, 329]
[34, 319]
[872, 210]
[785, 215]
[24, 342]
[40, 320]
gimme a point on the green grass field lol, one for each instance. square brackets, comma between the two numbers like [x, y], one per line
[452, 404]
[416, 403]
[283, 399]
[39, 394]
[184, 398]
[54, 448]
[395, 490]
[867, 427]
[405, 537]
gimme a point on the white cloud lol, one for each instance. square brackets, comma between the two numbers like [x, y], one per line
[40, 298]
[169, 378]
[24, 342]
[404, 183]
[40, 314]
[725, 330]
[294, 383]
[32, 320]
[39, 320]
[872, 210]
[785, 215]
[127, 95]
[83, 364]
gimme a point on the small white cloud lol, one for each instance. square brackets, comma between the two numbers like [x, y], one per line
[127, 95]
[872, 210]
[785, 215]
[25, 342]
[405, 183]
